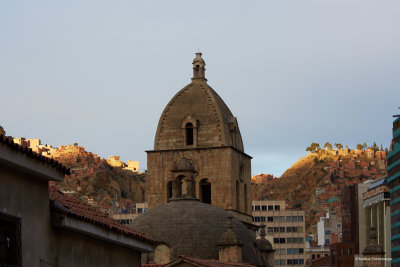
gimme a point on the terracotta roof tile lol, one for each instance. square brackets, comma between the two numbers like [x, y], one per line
[72, 207]
[211, 263]
[27, 151]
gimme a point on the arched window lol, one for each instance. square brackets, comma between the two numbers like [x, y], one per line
[205, 191]
[198, 74]
[245, 198]
[189, 133]
[237, 196]
[169, 190]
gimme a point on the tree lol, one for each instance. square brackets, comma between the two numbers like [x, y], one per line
[359, 146]
[2, 132]
[313, 147]
[375, 147]
[338, 145]
[327, 146]
[365, 146]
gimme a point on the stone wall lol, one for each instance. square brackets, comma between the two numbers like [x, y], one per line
[221, 166]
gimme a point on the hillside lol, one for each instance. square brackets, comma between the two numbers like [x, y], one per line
[111, 185]
[314, 183]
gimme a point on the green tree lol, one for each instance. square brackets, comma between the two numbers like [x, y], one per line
[365, 146]
[2, 132]
[327, 146]
[313, 147]
[375, 147]
[338, 145]
[359, 146]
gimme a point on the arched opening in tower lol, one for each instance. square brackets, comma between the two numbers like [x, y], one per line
[189, 133]
[237, 196]
[205, 191]
[169, 190]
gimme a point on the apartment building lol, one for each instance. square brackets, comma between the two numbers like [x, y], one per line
[393, 168]
[285, 228]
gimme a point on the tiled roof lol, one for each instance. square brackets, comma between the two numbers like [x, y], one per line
[209, 263]
[27, 151]
[72, 207]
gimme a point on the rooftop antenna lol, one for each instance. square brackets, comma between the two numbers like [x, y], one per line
[395, 116]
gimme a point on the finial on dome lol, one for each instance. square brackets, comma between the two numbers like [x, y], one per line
[199, 68]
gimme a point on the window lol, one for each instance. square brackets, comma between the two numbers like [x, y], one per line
[296, 251]
[270, 219]
[349, 251]
[328, 232]
[280, 251]
[270, 207]
[189, 133]
[263, 207]
[338, 225]
[280, 262]
[262, 218]
[169, 190]
[270, 230]
[279, 218]
[257, 207]
[277, 207]
[278, 240]
[10, 233]
[205, 191]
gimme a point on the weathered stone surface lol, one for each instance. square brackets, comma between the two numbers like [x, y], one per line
[197, 125]
[193, 228]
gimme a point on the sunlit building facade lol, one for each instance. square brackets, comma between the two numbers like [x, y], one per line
[285, 228]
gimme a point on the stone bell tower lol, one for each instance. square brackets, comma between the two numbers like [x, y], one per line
[198, 143]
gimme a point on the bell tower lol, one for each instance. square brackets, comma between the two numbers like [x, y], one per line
[199, 68]
[198, 151]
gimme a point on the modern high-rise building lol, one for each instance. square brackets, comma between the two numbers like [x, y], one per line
[286, 229]
[393, 163]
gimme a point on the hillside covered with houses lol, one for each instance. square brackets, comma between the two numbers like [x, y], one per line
[315, 182]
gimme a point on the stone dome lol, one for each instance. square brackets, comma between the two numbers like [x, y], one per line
[198, 104]
[194, 229]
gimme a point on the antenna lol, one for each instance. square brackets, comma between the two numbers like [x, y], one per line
[396, 116]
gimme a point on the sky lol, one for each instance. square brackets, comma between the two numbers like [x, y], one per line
[100, 73]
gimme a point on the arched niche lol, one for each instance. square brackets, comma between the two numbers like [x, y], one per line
[237, 195]
[169, 190]
[205, 190]
[189, 132]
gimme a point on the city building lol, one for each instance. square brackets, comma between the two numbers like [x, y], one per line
[127, 218]
[285, 228]
[376, 202]
[393, 162]
[315, 253]
[353, 223]
[198, 183]
[329, 229]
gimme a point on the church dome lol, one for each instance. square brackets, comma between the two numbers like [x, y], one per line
[194, 229]
[200, 107]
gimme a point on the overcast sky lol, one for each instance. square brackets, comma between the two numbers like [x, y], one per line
[100, 73]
